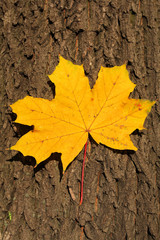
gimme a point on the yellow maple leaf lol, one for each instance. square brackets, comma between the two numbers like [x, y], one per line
[63, 124]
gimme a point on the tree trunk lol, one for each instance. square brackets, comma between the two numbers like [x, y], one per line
[121, 188]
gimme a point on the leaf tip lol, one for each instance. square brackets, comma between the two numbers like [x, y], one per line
[36, 165]
[11, 106]
[153, 102]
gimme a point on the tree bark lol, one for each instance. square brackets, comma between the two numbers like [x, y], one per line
[121, 188]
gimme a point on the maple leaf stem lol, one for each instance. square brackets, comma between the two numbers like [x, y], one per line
[82, 177]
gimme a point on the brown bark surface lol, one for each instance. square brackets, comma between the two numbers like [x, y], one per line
[121, 188]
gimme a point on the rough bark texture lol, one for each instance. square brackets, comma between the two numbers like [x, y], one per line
[121, 188]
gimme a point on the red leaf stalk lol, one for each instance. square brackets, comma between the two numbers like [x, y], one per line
[82, 177]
